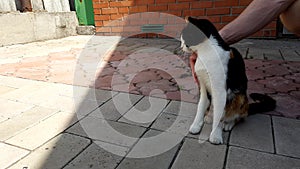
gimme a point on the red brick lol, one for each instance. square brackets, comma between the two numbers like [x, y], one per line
[258, 34]
[138, 22]
[171, 28]
[196, 12]
[123, 10]
[121, 3]
[214, 19]
[117, 29]
[165, 1]
[158, 21]
[98, 23]
[218, 11]
[97, 11]
[226, 3]
[109, 10]
[144, 2]
[132, 29]
[137, 9]
[237, 10]
[226, 19]
[271, 25]
[154, 8]
[100, 5]
[245, 2]
[102, 17]
[219, 25]
[186, 0]
[116, 16]
[176, 13]
[103, 29]
[179, 6]
[201, 4]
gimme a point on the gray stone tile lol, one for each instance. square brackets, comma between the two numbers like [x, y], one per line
[108, 131]
[290, 55]
[248, 159]
[287, 138]
[145, 111]
[116, 107]
[55, 153]
[254, 133]
[24, 121]
[272, 54]
[97, 157]
[152, 153]
[10, 154]
[173, 124]
[85, 107]
[254, 53]
[187, 109]
[195, 154]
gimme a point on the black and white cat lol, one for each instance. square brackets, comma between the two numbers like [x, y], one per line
[220, 70]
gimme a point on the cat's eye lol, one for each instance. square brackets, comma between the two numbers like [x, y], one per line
[186, 46]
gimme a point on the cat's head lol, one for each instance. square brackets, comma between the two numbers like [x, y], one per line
[196, 32]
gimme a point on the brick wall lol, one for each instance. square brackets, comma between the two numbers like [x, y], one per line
[220, 12]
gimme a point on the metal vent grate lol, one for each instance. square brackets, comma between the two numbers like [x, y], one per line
[152, 28]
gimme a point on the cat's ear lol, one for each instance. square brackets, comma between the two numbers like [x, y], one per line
[187, 19]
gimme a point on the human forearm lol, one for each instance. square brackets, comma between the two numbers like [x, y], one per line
[256, 16]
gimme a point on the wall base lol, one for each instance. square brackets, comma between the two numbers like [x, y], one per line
[36, 26]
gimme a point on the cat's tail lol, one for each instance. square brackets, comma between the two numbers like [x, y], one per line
[263, 103]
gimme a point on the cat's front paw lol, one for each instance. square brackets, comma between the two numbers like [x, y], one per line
[195, 128]
[216, 137]
[228, 126]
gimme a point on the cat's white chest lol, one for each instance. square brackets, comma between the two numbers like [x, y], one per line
[202, 74]
[212, 61]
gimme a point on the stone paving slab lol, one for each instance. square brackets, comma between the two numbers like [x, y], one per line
[96, 157]
[162, 160]
[108, 131]
[200, 155]
[10, 154]
[184, 108]
[249, 159]
[24, 121]
[173, 124]
[145, 111]
[42, 132]
[286, 135]
[55, 153]
[115, 108]
[10, 109]
[254, 133]
[6, 89]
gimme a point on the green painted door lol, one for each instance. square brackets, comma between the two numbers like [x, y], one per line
[85, 12]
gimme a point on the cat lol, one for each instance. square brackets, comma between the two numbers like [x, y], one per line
[221, 72]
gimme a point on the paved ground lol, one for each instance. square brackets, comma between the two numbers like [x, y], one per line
[66, 104]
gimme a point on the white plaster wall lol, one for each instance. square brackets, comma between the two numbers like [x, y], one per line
[37, 5]
[28, 27]
[7, 5]
[57, 5]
